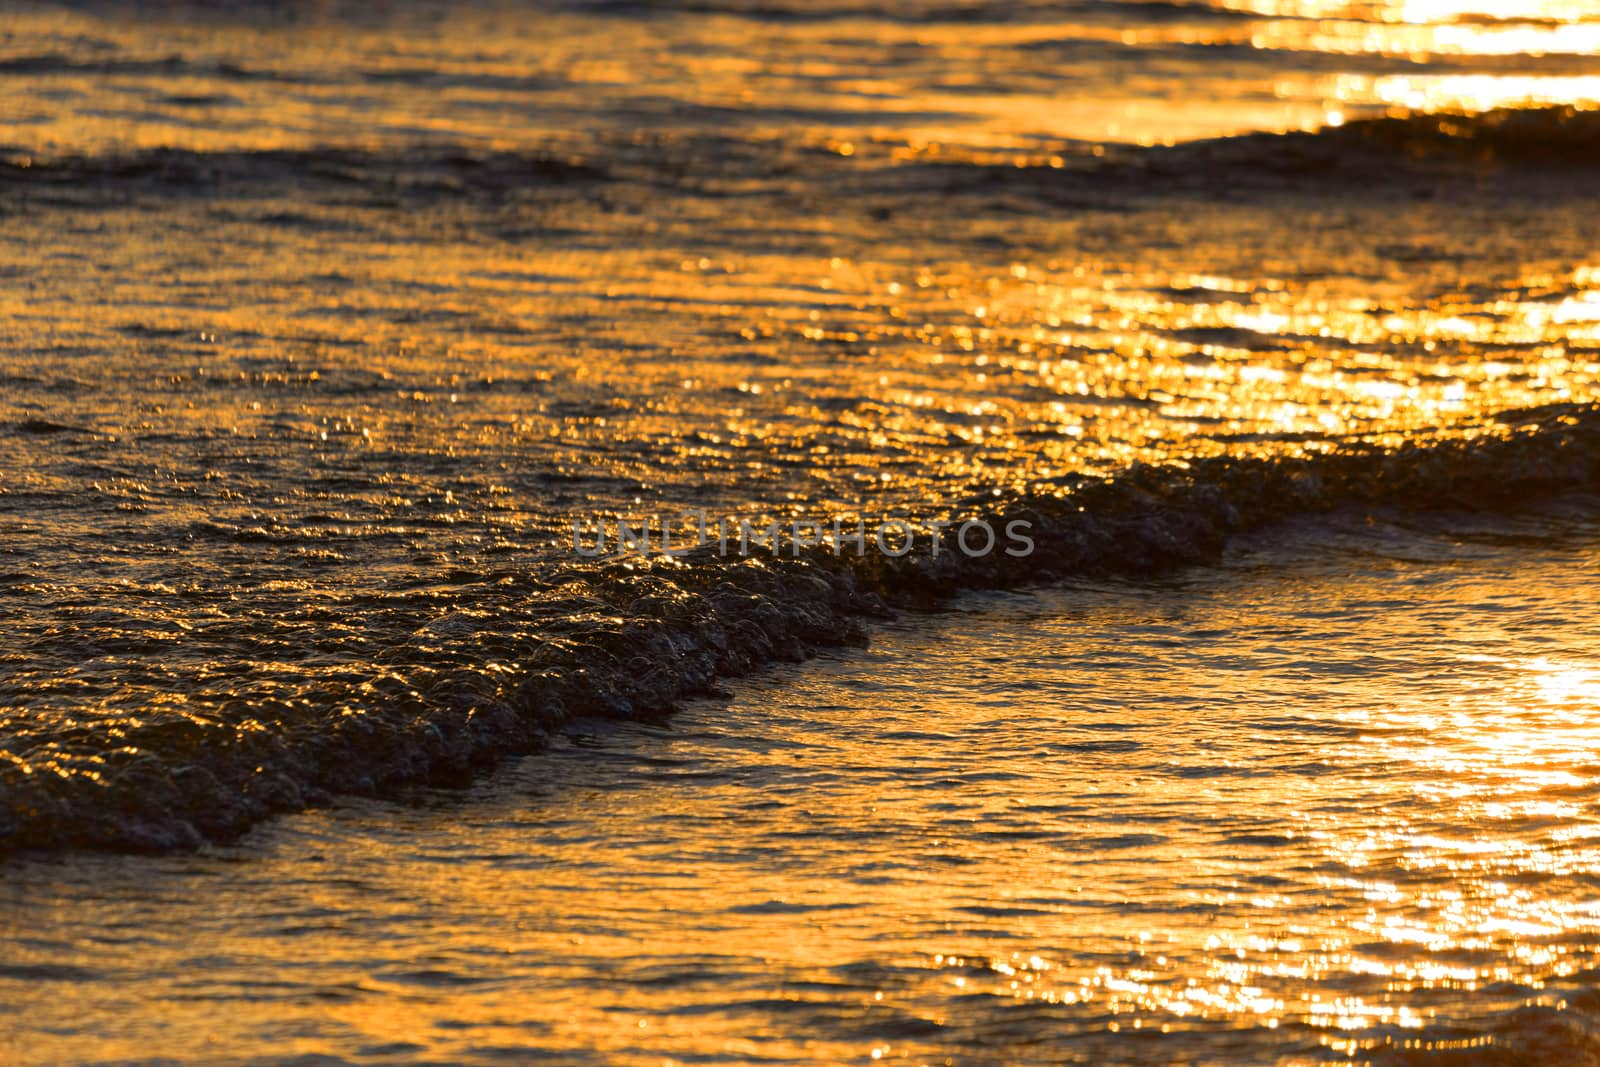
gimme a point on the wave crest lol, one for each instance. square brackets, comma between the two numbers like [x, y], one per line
[631, 637]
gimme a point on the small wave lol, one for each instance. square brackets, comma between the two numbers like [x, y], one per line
[1562, 137]
[55, 63]
[47, 64]
[634, 636]
[1563, 1031]
[985, 12]
[1537, 147]
[1538, 152]
[426, 171]
[46, 427]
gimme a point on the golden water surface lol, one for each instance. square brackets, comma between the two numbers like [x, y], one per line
[320, 323]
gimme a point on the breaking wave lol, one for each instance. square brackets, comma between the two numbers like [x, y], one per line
[629, 637]
[1559, 136]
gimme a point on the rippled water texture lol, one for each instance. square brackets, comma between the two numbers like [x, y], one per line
[1332, 800]
[211, 74]
[321, 323]
[321, 326]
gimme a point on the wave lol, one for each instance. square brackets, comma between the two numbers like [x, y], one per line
[1545, 154]
[1558, 1026]
[1384, 151]
[632, 637]
[1539, 148]
[422, 169]
[988, 12]
[1564, 137]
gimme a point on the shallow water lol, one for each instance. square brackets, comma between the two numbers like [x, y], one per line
[1332, 800]
[321, 324]
[210, 74]
[301, 408]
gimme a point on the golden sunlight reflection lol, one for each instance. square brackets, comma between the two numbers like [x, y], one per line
[1420, 42]
[1419, 11]
[1466, 92]
[1346, 827]
[322, 337]
[967, 83]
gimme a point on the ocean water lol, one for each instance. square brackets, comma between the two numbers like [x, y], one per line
[322, 324]
[1330, 801]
